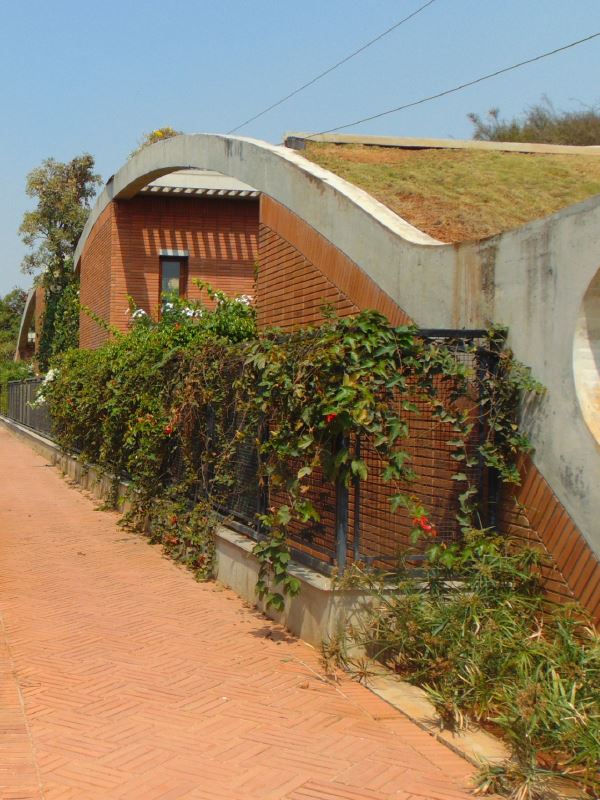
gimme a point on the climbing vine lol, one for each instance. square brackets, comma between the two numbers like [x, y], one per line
[360, 377]
[170, 404]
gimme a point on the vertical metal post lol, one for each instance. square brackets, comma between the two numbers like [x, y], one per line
[356, 532]
[262, 498]
[210, 436]
[487, 363]
[341, 516]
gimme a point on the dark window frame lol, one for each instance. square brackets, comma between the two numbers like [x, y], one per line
[183, 275]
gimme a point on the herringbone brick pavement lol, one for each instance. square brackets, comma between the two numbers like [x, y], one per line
[124, 678]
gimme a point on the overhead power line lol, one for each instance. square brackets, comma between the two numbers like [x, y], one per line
[333, 67]
[455, 88]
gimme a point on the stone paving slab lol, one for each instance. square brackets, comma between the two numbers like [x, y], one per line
[124, 678]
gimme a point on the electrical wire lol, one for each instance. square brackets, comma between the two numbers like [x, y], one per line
[455, 88]
[333, 67]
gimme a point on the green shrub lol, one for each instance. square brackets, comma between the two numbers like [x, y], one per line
[133, 407]
[540, 124]
[475, 632]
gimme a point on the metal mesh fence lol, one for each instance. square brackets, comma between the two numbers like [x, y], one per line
[17, 403]
[374, 534]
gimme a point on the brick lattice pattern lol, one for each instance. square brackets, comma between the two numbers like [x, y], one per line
[300, 270]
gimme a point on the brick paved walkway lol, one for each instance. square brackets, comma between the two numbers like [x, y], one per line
[124, 678]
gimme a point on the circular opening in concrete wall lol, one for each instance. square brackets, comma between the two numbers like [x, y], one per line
[586, 357]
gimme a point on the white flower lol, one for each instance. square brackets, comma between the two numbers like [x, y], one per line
[246, 299]
[40, 400]
[50, 376]
[138, 313]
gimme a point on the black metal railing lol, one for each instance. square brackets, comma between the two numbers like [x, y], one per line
[18, 403]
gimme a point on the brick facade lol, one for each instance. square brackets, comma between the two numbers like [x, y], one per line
[96, 279]
[299, 272]
[533, 513]
[122, 254]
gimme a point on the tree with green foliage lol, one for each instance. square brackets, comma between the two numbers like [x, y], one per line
[63, 192]
[540, 124]
[11, 311]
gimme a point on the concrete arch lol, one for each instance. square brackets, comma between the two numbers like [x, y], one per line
[586, 357]
[360, 226]
[27, 320]
[532, 280]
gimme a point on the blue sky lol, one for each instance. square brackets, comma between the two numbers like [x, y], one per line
[93, 77]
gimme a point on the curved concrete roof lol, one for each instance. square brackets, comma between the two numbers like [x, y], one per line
[533, 280]
[344, 214]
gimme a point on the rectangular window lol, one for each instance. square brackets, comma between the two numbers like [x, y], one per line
[173, 277]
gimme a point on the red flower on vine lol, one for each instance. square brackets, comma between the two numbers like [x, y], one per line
[424, 523]
[174, 520]
[168, 429]
[330, 417]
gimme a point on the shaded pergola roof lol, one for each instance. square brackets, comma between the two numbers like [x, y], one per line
[199, 183]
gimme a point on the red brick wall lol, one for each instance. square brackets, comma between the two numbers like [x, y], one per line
[533, 513]
[299, 271]
[95, 279]
[220, 235]
[122, 254]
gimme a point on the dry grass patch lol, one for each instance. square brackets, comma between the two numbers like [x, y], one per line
[457, 195]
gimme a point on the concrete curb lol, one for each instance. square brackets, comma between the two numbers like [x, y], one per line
[476, 745]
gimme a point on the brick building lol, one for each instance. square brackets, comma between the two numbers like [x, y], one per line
[31, 325]
[192, 224]
[318, 239]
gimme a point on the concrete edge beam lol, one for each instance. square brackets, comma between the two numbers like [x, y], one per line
[419, 143]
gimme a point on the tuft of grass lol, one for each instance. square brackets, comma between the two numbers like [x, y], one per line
[460, 195]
